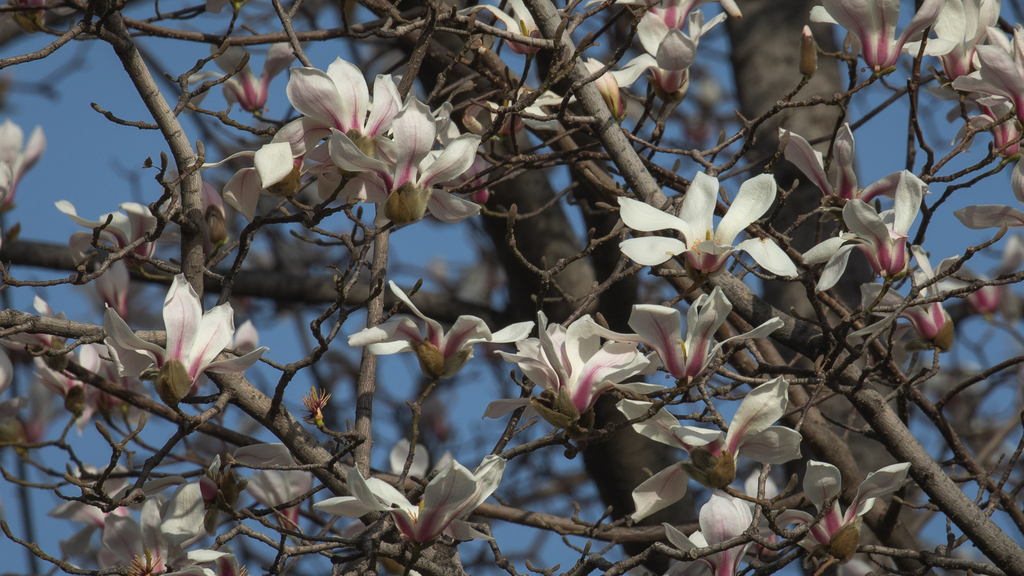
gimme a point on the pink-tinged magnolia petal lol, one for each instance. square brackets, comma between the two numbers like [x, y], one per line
[273, 162]
[651, 250]
[237, 364]
[371, 492]
[279, 56]
[775, 445]
[752, 201]
[355, 96]
[453, 162]
[499, 408]
[808, 160]
[1000, 72]
[246, 337]
[212, 335]
[990, 216]
[660, 328]
[444, 499]
[821, 482]
[345, 506]
[767, 253]
[845, 174]
[131, 354]
[113, 287]
[676, 51]
[229, 59]
[760, 408]
[925, 16]
[349, 157]
[865, 223]
[400, 331]
[879, 483]
[723, 518]
[6, 181]
[450, 208]
[466, 331]
[699, 207]
[512, 333]
[269, 454]
[434, 330]
[303, 135]
[34, 149]
[387, 102]
[664, 427]
[414, 131]
[123, 537]
[315, 94]
[1017, 181]
[884, 187]
[659, 491]
[908, 196]
[1013, 257]
[703, 319]
[242, 192]
[651, 30]
[646, 218]
[680, 540]
[462, 531]
[183, 519]
[633, 70]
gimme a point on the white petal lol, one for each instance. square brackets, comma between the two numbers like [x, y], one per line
[767, 253]
[273, 163]
[652, 250]
[659, 491]
[752, 201]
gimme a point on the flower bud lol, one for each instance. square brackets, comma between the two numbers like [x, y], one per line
[216, 228]
[407, 204]
[173, 382]
[808, 54]
[74, 400]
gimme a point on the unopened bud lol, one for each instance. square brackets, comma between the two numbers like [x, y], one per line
[173, 382]
[74, 400]
[407, 204]
[808, 53]
[216, 228]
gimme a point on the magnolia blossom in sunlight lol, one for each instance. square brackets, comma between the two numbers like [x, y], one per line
[245, 88]
[272, 488]
[841, 181]
[670, 53]
[520, 21]
[404, 188]
[1000, 73]
[721, 519]
[706, 248]
[441, 354]
[872, 26]
[194, 340]
[275, 171]
[881, 237]
[960, 27]
[124, 228]
[838, 533]
[452, 495]
[574, 369]
[712, 455]
[931, 321]
[997, 215]
[659, 327]
[17, 157]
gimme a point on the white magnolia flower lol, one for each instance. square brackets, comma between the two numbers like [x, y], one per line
[712, 455]
[705, 247]
[452, 495]
[721, 519]
[997, 215]
[14, 160]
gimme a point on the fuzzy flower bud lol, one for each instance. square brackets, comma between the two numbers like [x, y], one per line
[808, 54]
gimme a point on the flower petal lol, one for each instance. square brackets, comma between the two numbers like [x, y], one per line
[760, 408]
[651, 250]
[752, 201]
[659, 491]
[821, 482]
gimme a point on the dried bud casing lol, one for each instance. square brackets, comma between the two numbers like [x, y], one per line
[843, 544]
[173, 382]
[407, 204]
[808, 53]
[431, 359]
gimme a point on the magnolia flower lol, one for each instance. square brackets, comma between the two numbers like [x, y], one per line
[113, 287]
[1000, 71]
[841, 181]
[453, 494]
[837, 534]
[276, 171]
[608, 85]
[141, 545]
[441, 355]
[196, 506]
[15, 161]
[988, 300]
[721, 519]
[712, 455]
[123, 229]
[574, 369]
[872, 26]
[272, 488]
[404, 190]
[670, 53]
[71, 389]
[1005, 135]
[961, 25]
[881, 237]
[997, 215]
[931, 321]
[706, 248]
[478, 118]
[245, 88]
[659, 327]
[520, 21]
[194, 340]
